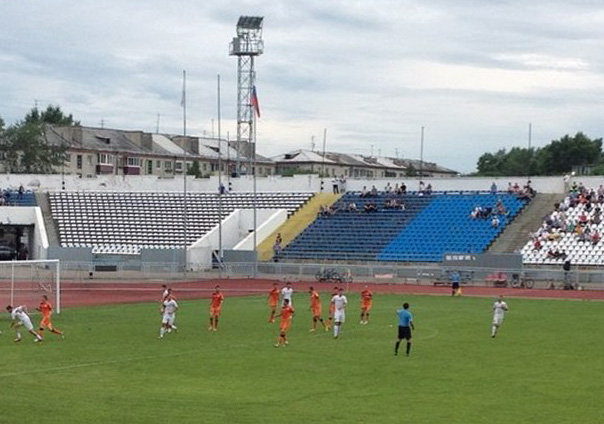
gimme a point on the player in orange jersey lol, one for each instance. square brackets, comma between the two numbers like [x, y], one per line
[332, 307]
[45, 309]
[366, 303]
[287, 312]
[316, 309]
[215, 305]
[273, 301]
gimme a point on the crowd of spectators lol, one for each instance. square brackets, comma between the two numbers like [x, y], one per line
[578, 215]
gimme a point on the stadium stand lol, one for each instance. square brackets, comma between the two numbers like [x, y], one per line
[14, 198]
[428, 227]
[126, 222]
[572, 231]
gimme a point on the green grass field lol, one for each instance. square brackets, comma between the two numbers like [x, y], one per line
[545, 366]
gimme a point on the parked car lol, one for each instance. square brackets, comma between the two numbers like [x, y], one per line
[7, 253]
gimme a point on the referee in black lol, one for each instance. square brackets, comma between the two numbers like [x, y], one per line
[405, 325]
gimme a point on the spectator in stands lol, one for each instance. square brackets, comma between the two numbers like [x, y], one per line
[7, 196]
[277, 252]
[374, 191]
[422, 187]
[510, 188]
[403, 188]
[222, 189]
[495, 221]
[556, 254]
[335, 183]
[493, 188]
[342, 184]
[364, 192]
[397, 189]
[2, 200]
[516, 188]
[429, 189]
[537, 244]
[332, 210]
[388, 188]
[500, 208]
[370, 207]
[595, 237]
[476, 212]
[21, 191]
[352, 207]
[322, 211]
[279, 239]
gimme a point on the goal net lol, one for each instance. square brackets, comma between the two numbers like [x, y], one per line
[24, 283]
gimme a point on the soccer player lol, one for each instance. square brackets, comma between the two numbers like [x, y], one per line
[316, 310]
[366, 303]
[168, 310]
[499, 309]
[45, 309]
[332, 307]
[215, 306]
[286, 293]
[405, 325]
[165, 293]
[273, 300]
[287, 312]
[339, 316]
[20, 318]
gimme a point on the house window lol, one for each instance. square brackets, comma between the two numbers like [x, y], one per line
[205, 167]
[79, 161]
[89, 157]
[168, 165]
[149, 167]
[103, 158]
[134, 162]
[68, 157]
[158, 164]
[178, 166]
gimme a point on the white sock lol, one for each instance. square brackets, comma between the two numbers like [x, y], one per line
[18, 334]
[162, 331]
[336, 330]
[493, 330]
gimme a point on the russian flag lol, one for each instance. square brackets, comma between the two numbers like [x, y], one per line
[254, 101]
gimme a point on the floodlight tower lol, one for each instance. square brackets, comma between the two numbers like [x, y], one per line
[246, 46]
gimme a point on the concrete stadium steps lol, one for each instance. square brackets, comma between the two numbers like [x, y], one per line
[517, 233]
[296, 223]
[51, 229]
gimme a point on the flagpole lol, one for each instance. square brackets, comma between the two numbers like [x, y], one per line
[219, 175]
[183, 102]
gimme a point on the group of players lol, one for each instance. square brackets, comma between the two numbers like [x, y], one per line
[336, 317]
[20, 318]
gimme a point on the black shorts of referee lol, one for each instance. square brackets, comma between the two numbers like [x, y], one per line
[404, 333]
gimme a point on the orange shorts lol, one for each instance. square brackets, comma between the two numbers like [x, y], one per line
[285, 325]
[215, 312]
[46, 322]
[316, 311]
[366, 307]
[273, 305]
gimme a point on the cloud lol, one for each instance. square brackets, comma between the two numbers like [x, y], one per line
[473, 73]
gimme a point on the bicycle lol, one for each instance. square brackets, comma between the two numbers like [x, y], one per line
[328, 275]
[521, 282]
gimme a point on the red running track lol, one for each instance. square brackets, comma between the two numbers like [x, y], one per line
[102, 293]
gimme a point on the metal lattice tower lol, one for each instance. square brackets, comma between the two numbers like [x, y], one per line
[246, 46]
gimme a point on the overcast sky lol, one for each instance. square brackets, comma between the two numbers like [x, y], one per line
[474, 73]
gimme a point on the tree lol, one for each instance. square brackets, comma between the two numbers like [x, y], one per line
[53, 115]
[25, 145]
[195, 170]
[411, 171]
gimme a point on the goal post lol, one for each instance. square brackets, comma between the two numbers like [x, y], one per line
[24, 283]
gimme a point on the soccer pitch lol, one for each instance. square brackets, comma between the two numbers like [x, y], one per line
[545, 366]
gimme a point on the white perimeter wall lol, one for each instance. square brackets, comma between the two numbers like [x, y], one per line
[237, 229]
[310, 183]
[28, 215]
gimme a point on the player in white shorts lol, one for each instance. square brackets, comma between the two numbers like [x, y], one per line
[339, 315]
[20, 318]
[287, 292]
[168, 310]
[499, 309]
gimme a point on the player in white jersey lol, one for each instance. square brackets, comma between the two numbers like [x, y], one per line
[168, 310]
[165, 293]
[339, 315]
[20, 318]
[286, 293]
[499, 309]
